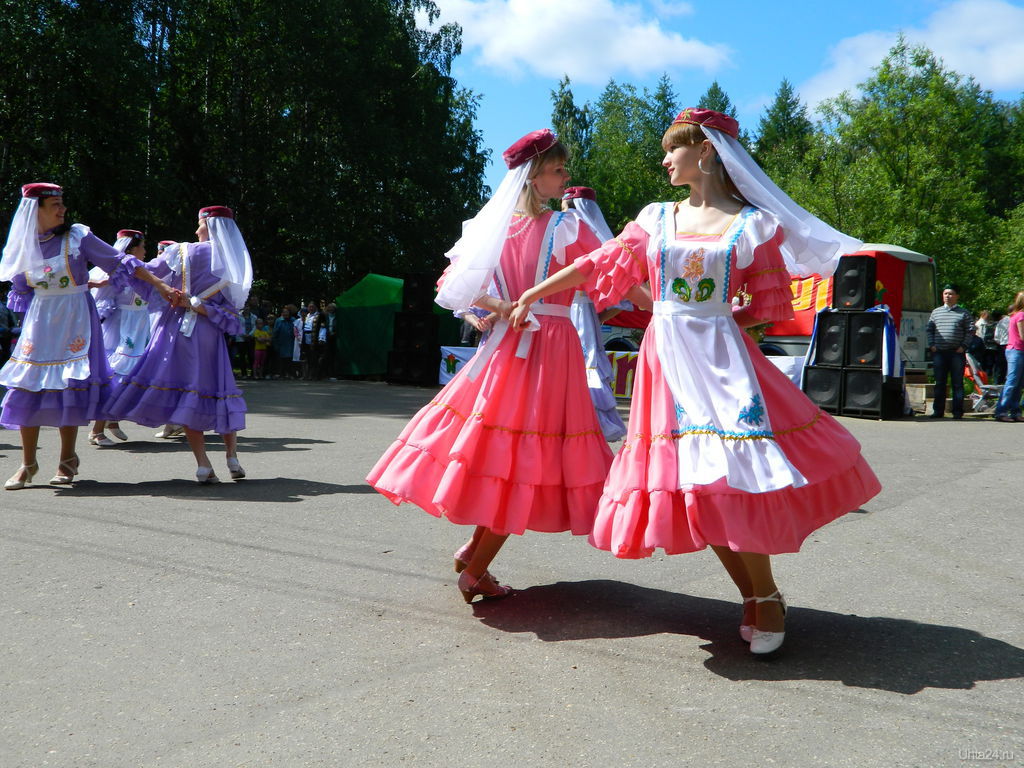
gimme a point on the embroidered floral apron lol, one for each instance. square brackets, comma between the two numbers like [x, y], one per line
[133, 333]
[53, 348]
[722, 427]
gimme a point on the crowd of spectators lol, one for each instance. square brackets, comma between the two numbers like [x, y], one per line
[290, 342]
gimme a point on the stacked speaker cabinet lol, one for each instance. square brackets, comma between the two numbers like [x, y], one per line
[415, 355]
[846, 377]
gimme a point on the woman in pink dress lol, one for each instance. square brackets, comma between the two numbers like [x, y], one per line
[722, 450]
[512, 442]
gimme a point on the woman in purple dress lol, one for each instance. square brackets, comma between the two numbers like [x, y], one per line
[124, 315]
[58, 374]
[185, 377]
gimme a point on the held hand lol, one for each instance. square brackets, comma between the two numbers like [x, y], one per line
[173, 296]
[476, 322]
[519, 318]
[486, 323]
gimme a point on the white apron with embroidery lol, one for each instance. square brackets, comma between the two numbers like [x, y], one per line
[54, 346]
[133, 333]
[723, 429]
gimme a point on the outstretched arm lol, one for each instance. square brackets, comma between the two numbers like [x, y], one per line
[172, 296]
[569, 277]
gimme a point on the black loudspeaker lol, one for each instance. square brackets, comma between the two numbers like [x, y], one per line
[419, 367]
[830, 342]
[824, 387]
[853, 285]
[864, 339]
[415, 331]
[868, 393]
[418, 291]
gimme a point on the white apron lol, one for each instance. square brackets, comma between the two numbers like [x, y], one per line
[133, 335]
[723, 428]
[53, 348]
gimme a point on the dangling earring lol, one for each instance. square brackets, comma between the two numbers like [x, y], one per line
[700, 164]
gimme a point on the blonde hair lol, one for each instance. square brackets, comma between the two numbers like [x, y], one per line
[687, 135]
[1018, 304]
[556, 153]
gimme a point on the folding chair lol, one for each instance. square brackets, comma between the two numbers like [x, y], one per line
[985, 396]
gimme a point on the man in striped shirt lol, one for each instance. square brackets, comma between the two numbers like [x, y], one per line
[950, 329]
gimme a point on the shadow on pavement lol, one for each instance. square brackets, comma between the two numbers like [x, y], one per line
[265, 489]
[246, 444]
[865, 652]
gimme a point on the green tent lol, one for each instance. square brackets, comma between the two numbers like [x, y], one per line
[366, 324]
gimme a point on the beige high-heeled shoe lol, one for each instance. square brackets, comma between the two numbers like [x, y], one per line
[22, 477]
[767, 642]
[486, 586]
[66, 471]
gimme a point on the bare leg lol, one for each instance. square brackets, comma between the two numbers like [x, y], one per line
[29, 444]
[198, 445]
[98, 426]
[487, 547]
[230, 444]
[68, 438]
[737, 570]
[759, 568]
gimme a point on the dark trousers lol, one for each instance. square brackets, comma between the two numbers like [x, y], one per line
[949, 364]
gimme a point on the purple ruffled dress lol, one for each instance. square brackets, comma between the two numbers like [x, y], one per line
[185, 377]
[58, 375]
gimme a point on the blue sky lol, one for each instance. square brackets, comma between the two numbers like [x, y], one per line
[516, 51]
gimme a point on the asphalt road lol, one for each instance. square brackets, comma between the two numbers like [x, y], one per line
[299, 619]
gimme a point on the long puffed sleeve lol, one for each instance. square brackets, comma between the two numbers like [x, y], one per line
[615, 267]
[120, 266]
[222, 313]
[762, 271]
[20, 295]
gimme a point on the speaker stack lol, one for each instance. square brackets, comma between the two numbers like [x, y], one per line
[415, 354]
[846, 378]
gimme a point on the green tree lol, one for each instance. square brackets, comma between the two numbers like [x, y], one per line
[344, 147]
[572, 125]
[898, 164]
[784, 131]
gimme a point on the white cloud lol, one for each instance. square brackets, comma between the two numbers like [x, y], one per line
[981, 38]
[668, 8]
[589, 40]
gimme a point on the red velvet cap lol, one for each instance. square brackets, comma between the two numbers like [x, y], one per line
[710, 118]
[216, 210]
[165, 243]
[41, 189]
[528, 147]
[577, 193]
[133, 233]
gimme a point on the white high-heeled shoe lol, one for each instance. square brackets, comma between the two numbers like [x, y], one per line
[206, 476]
[100, 440]
[117, 432]
[22, 477]
[237, 473]
[767, 642]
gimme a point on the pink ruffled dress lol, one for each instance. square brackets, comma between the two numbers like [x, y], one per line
[512, 442]
[722, 449]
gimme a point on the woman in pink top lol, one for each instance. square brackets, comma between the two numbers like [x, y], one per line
[1008, 408]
